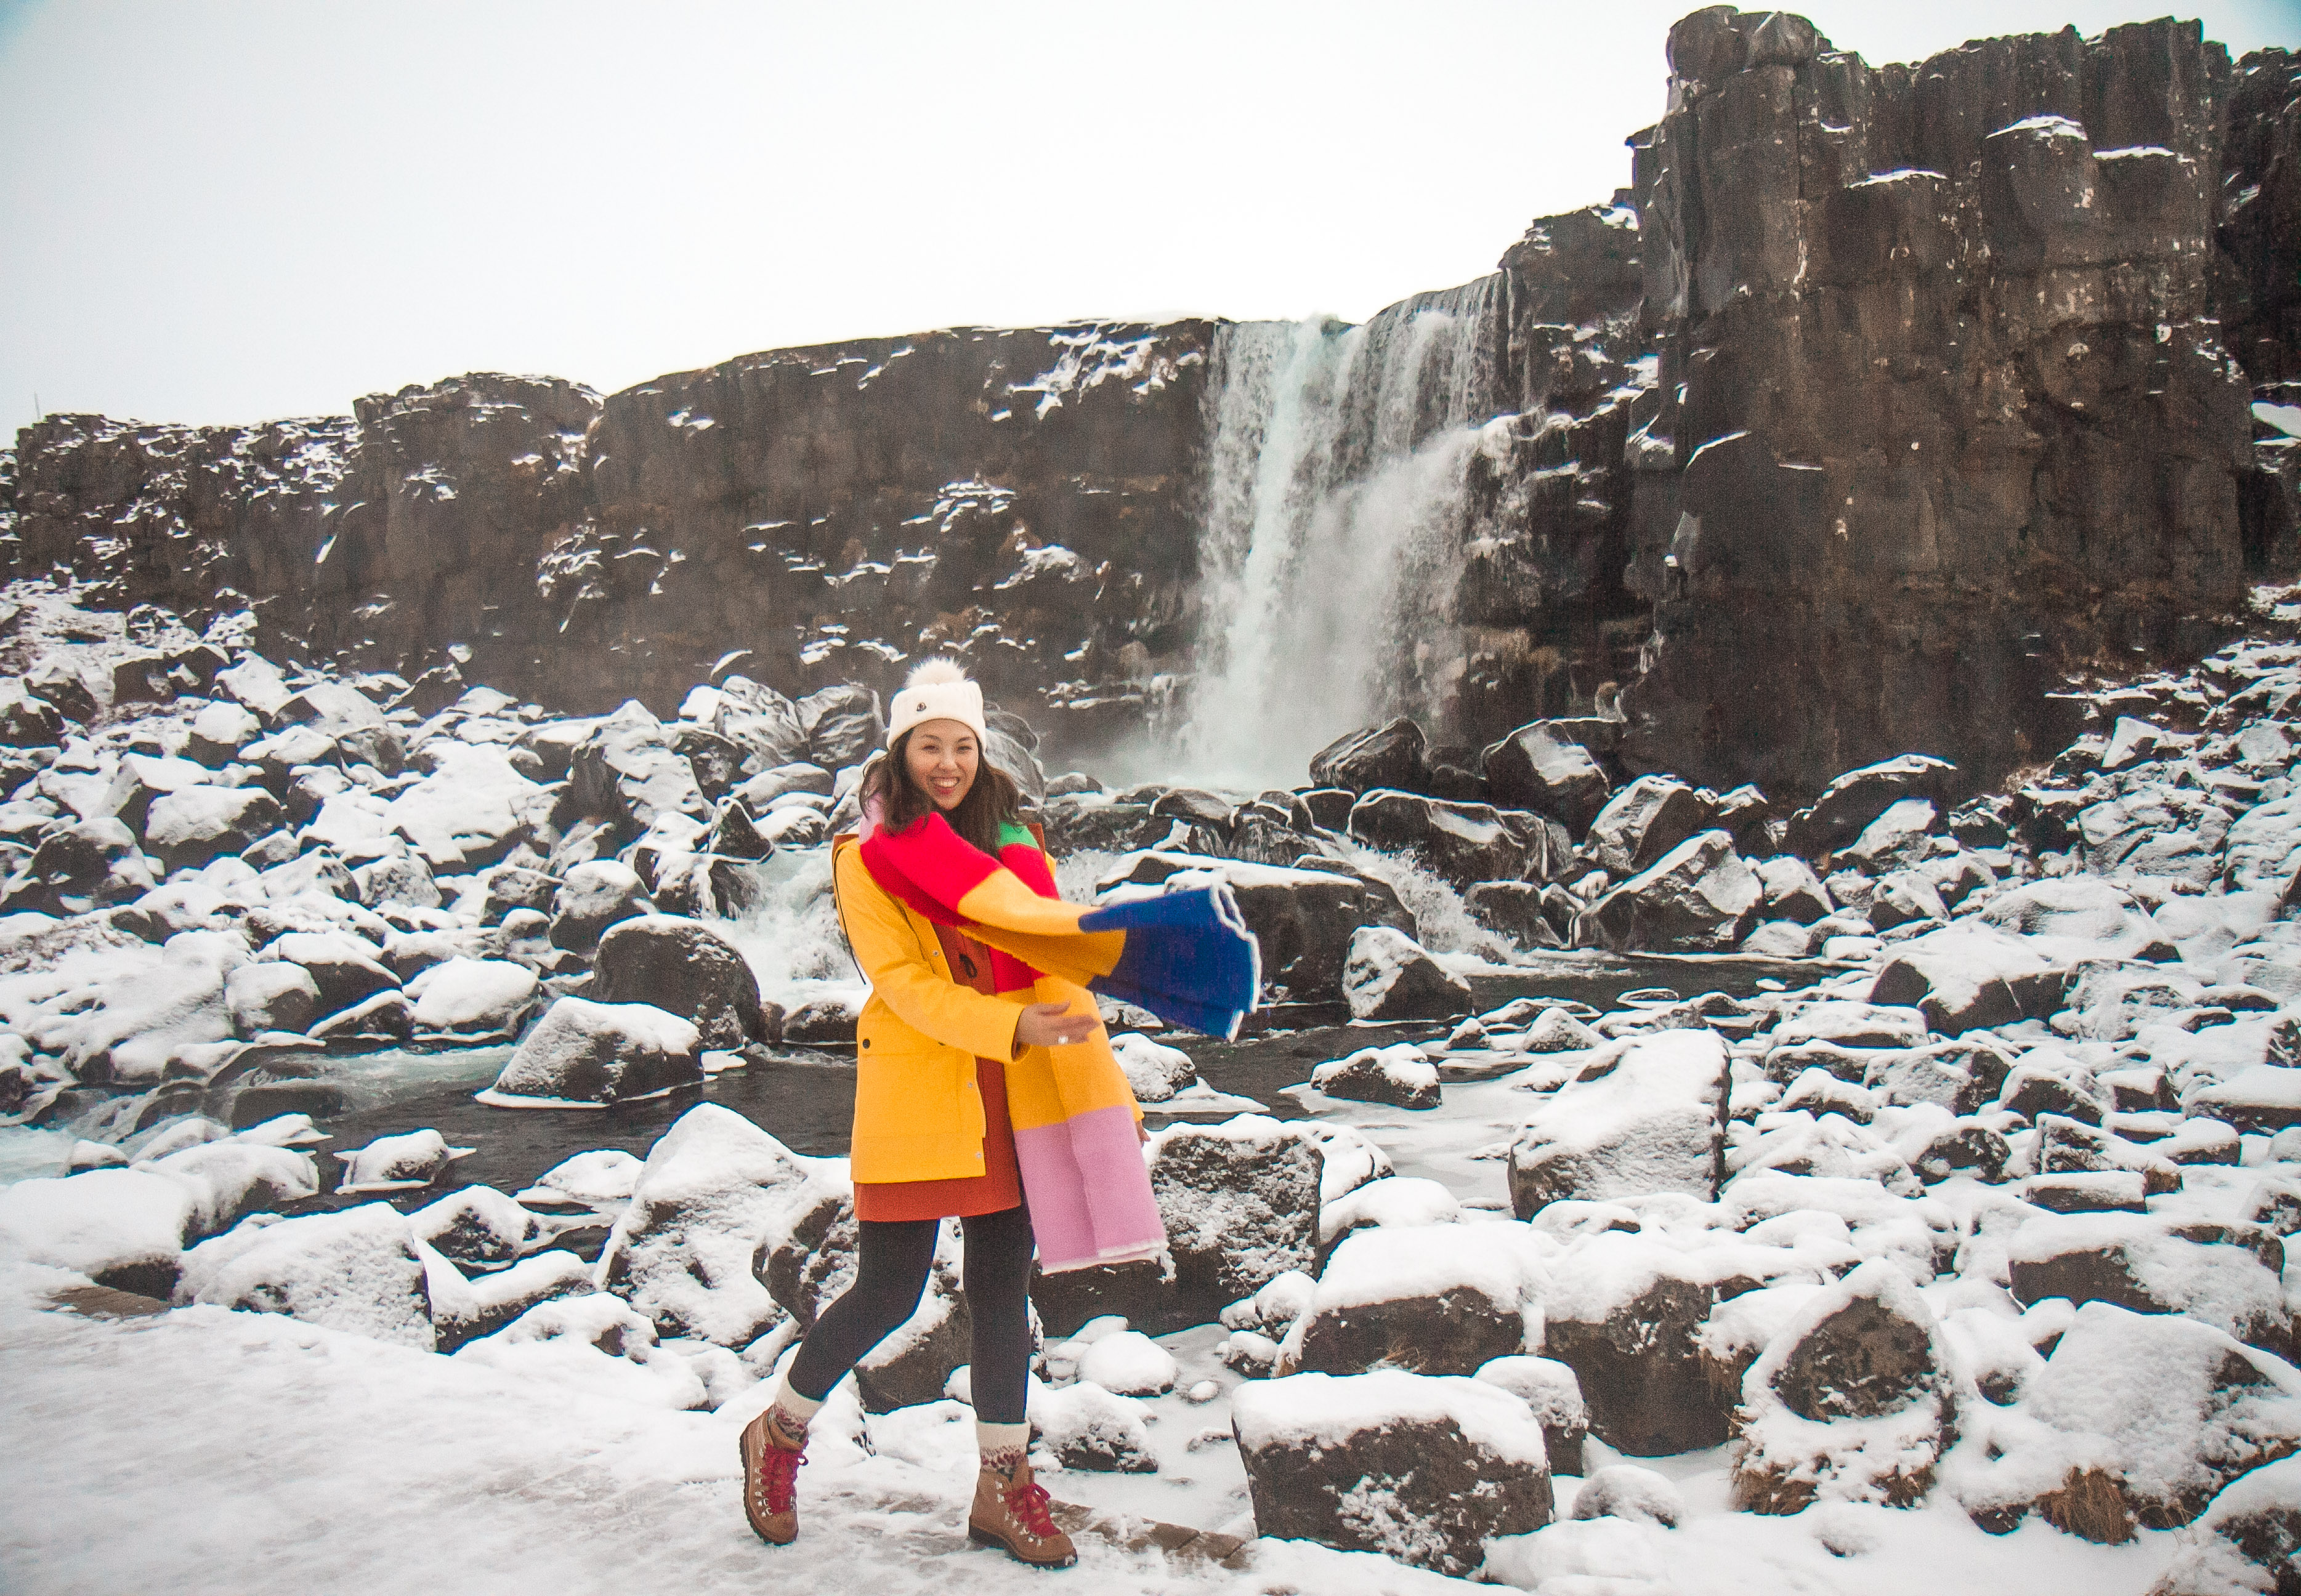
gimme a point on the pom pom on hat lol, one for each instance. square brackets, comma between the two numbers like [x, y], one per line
[937, 689]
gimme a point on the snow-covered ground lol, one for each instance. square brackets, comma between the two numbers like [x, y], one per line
[203, 1451]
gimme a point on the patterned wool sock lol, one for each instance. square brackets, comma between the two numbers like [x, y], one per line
[1002, 1446]
[793, 1410]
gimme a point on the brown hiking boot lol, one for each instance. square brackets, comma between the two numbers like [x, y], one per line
[1010, 1511]
[771, 1457]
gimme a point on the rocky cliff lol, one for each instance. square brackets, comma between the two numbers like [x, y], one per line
[1880, 404]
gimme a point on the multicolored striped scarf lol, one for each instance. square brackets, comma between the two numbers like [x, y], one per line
[1186, 957]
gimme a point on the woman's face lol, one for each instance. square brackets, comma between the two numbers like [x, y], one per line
[942, 758]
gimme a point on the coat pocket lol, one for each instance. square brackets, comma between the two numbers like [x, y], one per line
[924, 1090]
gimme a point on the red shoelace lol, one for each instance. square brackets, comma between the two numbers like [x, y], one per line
[1028, 1500]
[779, 1476]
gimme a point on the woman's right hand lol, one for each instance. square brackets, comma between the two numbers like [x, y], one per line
[1050, 1025]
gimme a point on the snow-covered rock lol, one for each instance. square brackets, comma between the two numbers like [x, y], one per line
[2184, 1408]
[1398, 1075]
[599, 1053]
[716, 1195]
[596, 895]
[683, 967]
[194, 824]
[1240, 1202]
[1852, 1400]
[1390, 976]
[2245, 1542]
[472, 999]
[1154, 1071]
[1698, 897]
[270, 996]
[345, 967]
[604, 1178]
[2144, 1263]
[1433, 1300]
[478, 1226]
[122, 1228]
[1552, 1391]
[357, 1269]
[1647, 1114]
[1089, 1428]
[1424, 1469]
[1129, 1362]
[1390, 1200]
[403, 1163]
[1638, 1495]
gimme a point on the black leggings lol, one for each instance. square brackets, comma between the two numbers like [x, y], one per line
[890, 1273]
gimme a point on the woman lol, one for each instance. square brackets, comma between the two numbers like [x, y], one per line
[933, 1136]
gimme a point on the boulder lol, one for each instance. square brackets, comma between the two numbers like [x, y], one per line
[469, 812]
[1964, 978]
[2248, 1540]
[357, 1270]
[2260, 1099]
[218, 731]
[1645, 1116]
[80, 867]
[402, 1163]
[1129, 1362]
[1154, 1073]
[1551, 1390]
[629, 769]
[1900, 836]
[1432, 1299]
[683, 967]
[1849, 804]
[1423, 1469]
[2079, 917]
[473, 998]
[404, 879]
[1392, 755]
[345, 969]
[716, 761]
[2185, 1408]
[1634, 1495]
[1513, 909]
[1240, 1202]
[594, 896]
[1463, 843]
[1399, 1075]
[1852, 1401]
[1644, 822]
[508, 888]
[491, 1302]
[587, 1052]
[2148, 1265]
[28, 721]
[1624, 1311]
[1093, 1429]
[1388, 976]
[270, 996]
[1793, 891]
[195, 825]
[1545, 765]
[761, 721]
[1698, 897]
[478, 1227]
[122, 1228]
[843, 725]
[142, 779]
[716, 1197]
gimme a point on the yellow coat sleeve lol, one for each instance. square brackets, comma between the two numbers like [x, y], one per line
[887, 947]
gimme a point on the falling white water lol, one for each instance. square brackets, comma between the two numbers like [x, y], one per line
[1335, 477]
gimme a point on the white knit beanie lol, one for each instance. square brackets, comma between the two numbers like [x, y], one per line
[937, 689]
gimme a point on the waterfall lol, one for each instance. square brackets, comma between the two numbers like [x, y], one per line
[1335, 480]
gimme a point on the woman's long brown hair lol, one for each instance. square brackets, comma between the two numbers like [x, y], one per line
[992, 801]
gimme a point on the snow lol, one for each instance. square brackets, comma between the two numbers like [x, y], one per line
[601, 1179]
[97, 1222]
[1155, 1072]
[1504, 1263]
[1129, 1362]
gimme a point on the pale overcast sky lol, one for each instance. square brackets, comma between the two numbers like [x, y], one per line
[217, 211]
